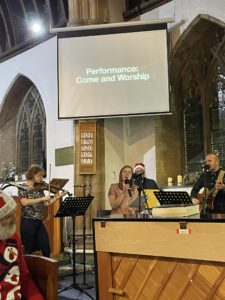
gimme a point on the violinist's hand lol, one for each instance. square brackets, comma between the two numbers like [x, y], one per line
[219, 186]
[46, 199]
[62, 194]
[59, 195]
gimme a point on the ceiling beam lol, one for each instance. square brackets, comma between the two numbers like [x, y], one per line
[15, 34]
[134, 10]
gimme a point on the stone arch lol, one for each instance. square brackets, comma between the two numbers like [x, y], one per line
[10, 115]
[194, 63]
[171, 142]
[187, 43]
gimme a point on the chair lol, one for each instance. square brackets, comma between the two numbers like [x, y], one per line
[44, 272]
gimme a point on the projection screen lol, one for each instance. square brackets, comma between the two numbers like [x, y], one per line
[113, 72]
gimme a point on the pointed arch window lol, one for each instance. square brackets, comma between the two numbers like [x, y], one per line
[193, 126]
[31, 131]
[217, 113]
[203, 91]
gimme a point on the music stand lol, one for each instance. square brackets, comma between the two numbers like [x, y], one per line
[173, 198]
[74, 207]
[85, 187]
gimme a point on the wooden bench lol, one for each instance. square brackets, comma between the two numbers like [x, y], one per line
[44, 272]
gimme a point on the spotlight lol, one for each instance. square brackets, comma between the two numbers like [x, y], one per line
[36, 27]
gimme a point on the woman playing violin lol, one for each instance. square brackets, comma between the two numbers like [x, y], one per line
[33, 201]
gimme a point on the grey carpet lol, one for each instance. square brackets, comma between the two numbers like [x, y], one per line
[73, 294]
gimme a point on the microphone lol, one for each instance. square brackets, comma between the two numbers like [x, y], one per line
[128, 182]
[206, 167]
[138, 178]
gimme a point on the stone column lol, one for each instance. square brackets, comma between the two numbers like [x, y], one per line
[85, 12]
[74, 13]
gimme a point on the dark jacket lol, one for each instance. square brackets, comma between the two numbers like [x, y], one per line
[208, 180]
[148, 184]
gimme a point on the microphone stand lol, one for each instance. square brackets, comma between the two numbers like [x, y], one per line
[85, 285]
[141, 190]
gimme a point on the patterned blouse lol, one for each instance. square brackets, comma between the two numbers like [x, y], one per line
[35, 211]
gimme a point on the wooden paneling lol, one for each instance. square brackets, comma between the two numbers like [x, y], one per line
[146, 278]
[140, 260]
[44, 272]
[97, 180]
[206, 241]
[87, 148]
[104, 259]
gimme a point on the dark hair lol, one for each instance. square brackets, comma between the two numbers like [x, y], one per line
[33, 170]
[120, 175]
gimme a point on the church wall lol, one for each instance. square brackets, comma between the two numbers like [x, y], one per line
[184, 12]
[39, 64]
[169, 139]
[127, 141]
[7, 137]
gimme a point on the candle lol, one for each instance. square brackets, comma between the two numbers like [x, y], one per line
[179, 180]
[16, 177]
[170, 181]
[23, 177]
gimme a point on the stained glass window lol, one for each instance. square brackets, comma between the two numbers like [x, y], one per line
[37, 140]
[203, 91]
[217, 115]
[31, 126]
[24, 147]
[193, 127]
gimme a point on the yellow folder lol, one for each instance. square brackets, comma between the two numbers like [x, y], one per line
[152, 200]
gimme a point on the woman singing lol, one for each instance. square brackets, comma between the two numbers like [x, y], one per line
[33, 232]
[122, 194]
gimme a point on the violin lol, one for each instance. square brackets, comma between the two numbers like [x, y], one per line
[40, 186]
[44, 186]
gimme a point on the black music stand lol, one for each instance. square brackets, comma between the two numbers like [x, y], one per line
[173, 198]
[74, 207]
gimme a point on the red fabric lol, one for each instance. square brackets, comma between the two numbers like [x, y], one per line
[139, 164]
[15, 279]
[2, 202]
